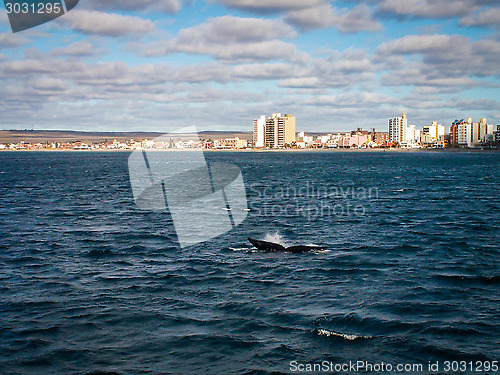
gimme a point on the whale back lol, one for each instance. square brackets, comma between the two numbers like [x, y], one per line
[304, 248]
[265, 245]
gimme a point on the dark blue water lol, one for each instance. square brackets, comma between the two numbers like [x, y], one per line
[90, 283]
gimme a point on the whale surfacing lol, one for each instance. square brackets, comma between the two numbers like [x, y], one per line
[271, 246]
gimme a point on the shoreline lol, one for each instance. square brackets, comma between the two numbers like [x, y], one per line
[309, 150]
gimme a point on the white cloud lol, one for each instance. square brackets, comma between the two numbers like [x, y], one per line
[427, 8]
[231, 39]
[474, 104]
[48, 85]
[10, 40]
[264, 71]
[106, 24]
[339, 70]
[269, 6]
[167, 6]
[77, 49]
[345, 20]
[489, 17]
[229, 29]
[447, 56]
[353, 86]
[421, 44]
[353, 100]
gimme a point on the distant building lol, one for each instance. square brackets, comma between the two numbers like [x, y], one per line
[479, 131]
[230, 143]
[259, 132]
[302, 137]
[355, 140]
[435, 131]
[324, 138]
[454, 132]
[397, 129]
[465, 133]
[412, 136]
[381, 138]
[464, 136]
[432, 135]
[276, 132]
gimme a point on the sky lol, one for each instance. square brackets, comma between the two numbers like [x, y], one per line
[159, 65]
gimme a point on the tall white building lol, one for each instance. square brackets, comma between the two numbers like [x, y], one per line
[275, 131]
[435, 131]
[259, 131]
[412, 135]
[397, 129]
[464, 132]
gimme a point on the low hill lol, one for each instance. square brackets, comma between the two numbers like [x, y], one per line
[44, 136]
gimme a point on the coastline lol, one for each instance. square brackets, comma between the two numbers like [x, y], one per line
[307, 150]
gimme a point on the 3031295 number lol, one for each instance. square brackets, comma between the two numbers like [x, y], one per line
[25, 14]
[470, 366]
[33, 8]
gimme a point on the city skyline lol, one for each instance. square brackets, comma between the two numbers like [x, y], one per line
[278, 132]
[158, 65]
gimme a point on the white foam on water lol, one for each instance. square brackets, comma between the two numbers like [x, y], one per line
[240, 248]
[320, 251]
[346, 336]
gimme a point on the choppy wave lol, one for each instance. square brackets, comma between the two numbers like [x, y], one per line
[346, 336]
[90, 284]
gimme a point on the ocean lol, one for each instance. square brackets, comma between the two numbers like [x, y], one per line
[92, 284]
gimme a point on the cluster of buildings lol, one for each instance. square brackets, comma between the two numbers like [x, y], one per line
[408, 136]
[114, 145]
[227, 143]
[278, 131]
[354, 139]
[171, 144]
[465, 133]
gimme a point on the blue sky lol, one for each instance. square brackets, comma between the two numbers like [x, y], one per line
[136, 65]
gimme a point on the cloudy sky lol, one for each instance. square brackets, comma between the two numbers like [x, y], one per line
[218, 64]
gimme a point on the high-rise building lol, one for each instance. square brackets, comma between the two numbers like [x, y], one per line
[288, 126]
[397, 129]
[411, 136]
[275, 131]
[479, 130]
[259, 131]
[432, 135]
[454, 133]
[465, 133]
[435, 131]
[271, 133]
